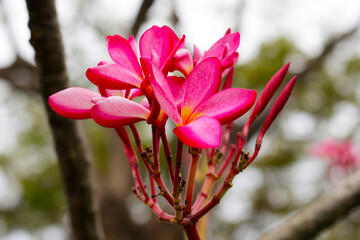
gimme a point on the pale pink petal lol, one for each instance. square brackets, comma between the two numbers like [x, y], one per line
[73, 102]
[135, 92]
[145, 103]
[182, 61]
[204, 132]
[226, 105]
[217, 50]
[115, 111]
[112, 76]
[119, 93]
[162, 91]
[122, 54]
[161, 40]
[203, 82]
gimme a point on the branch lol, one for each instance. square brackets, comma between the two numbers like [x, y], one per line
[21, 75]
[320, 214]
[74, 164]
[141, 16]
[316, 62]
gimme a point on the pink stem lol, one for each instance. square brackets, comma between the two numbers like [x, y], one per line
[227, 160]
[140, 148]
[168, 155]
[157, 173]
[191, 180]
[192, 232]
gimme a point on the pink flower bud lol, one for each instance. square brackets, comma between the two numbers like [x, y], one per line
[266, 95]
[278, 106]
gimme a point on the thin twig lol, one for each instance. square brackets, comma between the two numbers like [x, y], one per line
[141, 16]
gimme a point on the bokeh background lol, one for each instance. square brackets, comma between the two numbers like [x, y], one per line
[320, 38]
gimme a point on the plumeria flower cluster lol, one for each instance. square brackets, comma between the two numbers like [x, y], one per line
[191, 90]
[342, 155]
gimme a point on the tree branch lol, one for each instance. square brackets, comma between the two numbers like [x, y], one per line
[74, 164]
[141, 16]
[21, 75]
[320, 214]
[316, 62]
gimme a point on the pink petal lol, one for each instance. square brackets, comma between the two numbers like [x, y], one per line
[204, 132]
[73, 102]
[135, 92]
[115, 111]
[110, 92]
[145, 103]
[161, 40]
[132, 43]
[217, 50]
[177, 88]
[226, 105]
[112, 76]
[182, 62]
[228, 31]
[162, 91]
[122, 54]
[230, 63]
[229, 79]
[203, 82]
[166, 65]
[197, 54]
[172, 36]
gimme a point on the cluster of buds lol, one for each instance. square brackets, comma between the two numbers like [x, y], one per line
[193, 91]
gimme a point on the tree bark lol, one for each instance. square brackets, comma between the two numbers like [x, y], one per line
[74, 164]
[321, 213]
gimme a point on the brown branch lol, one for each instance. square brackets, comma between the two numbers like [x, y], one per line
[141, 16]
[22, 75]
[320, 214]
[74, 164]
[316, 62]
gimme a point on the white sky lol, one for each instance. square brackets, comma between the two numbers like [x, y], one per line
[308, 22]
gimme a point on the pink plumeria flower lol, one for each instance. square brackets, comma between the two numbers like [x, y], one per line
[82, 103]
[116, 111]
[224, 50]
[344, 154]
[157, 44]
[74, 102]
[203, 108]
